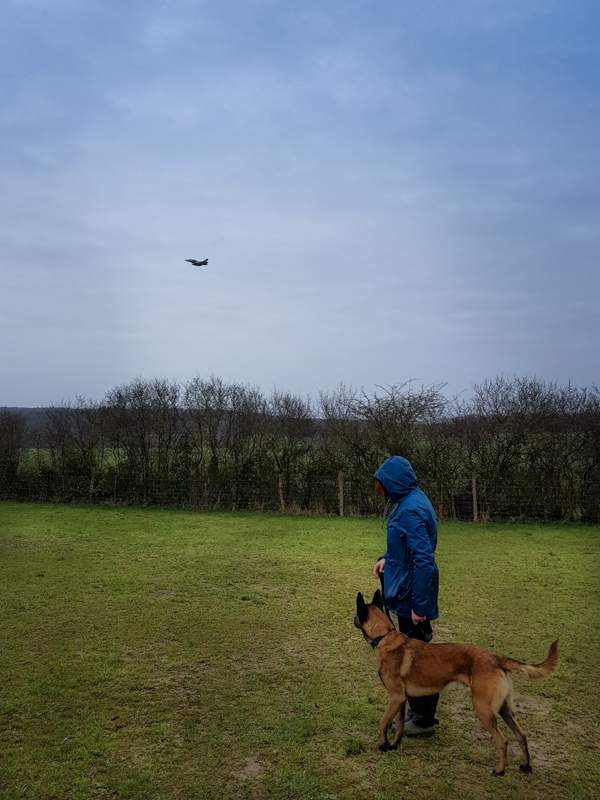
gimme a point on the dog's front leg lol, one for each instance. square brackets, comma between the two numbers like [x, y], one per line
[395, 703]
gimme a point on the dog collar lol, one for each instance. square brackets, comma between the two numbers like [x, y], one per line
[374, 642]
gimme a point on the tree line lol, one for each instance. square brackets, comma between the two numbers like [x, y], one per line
[532, 447]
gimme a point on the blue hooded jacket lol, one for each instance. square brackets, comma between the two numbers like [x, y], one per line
[410, 576]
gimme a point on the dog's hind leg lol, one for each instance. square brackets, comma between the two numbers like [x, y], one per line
[508, 715]
[399, 726]
[488, 719]
[395, 702]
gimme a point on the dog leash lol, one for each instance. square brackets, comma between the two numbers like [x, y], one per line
[385, 605]
[387, 510]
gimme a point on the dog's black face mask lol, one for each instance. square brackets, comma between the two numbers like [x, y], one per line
[362, 608]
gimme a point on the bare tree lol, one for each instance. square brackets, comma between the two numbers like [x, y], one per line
[145, 428]
[12, 436]
[206, 403]
[394, 416]
[244, 437]
[346, 435]
[290, 439]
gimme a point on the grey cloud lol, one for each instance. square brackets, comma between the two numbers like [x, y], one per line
[371, 212]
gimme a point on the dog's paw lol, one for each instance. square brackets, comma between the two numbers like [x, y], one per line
[525, 768]
[385, 747]
[497, 773]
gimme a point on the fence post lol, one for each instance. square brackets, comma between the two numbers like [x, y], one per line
[341, 492]
[280, 492]
[474, 495]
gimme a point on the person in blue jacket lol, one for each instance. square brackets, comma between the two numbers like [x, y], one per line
[410, 574]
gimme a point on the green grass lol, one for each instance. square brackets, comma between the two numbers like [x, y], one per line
[159, 654]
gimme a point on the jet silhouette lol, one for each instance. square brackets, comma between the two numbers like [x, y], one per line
[198, 263]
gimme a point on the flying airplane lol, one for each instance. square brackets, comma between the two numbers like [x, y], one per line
[198, 263]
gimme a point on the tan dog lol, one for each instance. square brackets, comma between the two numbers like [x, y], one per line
[411, 667]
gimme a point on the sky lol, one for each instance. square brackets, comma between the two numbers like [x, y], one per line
[385, 190]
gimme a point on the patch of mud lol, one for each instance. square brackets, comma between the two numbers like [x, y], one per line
[164, 594]
[251, 774]
[252, 770]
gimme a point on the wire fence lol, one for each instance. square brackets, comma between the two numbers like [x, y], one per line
[520, 448]
[331, 493]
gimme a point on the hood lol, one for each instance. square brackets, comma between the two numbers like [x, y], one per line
[397, 477]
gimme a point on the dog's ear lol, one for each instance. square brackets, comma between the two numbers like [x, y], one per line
[377, 599]
[362, 611]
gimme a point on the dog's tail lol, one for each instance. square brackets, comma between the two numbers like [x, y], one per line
[534, 670]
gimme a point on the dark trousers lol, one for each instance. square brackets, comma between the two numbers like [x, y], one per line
[422, 709]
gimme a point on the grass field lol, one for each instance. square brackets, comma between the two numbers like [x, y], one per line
[161, 654]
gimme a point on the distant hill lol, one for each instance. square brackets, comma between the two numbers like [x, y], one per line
[35, 418]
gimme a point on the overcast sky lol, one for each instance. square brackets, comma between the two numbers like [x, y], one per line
[385, 190]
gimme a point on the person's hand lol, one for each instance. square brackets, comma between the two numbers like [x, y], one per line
[416, 618]
[378, 568]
